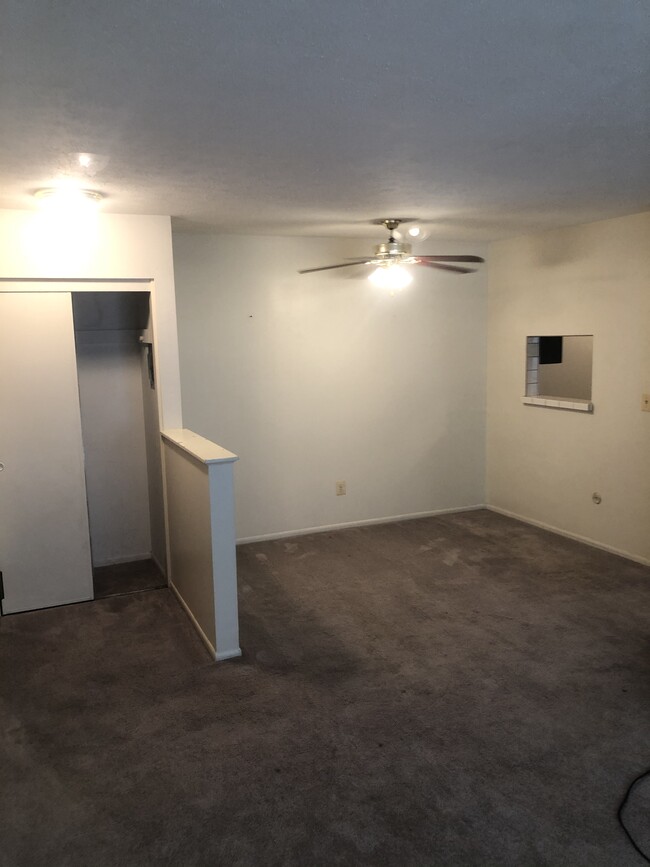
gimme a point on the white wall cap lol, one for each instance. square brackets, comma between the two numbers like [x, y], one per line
[200, 448]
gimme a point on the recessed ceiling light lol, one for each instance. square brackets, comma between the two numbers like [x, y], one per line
[415, 231]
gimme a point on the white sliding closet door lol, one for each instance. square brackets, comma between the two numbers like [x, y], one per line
[44, 539]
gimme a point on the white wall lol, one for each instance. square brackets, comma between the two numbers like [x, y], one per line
[317, 378]
[39, 246]
[544, 464]
[112, 423]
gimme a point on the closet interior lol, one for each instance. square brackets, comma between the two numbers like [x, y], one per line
[121, 440]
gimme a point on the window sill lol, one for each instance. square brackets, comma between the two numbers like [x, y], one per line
[559, 403]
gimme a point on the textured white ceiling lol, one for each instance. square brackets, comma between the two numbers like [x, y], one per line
[483, 118]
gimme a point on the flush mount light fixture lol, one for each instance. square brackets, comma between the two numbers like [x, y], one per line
[67, 197]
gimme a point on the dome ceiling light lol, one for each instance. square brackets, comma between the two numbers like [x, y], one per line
[67, 197]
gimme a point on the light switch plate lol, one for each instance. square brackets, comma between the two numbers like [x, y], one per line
[645, 403]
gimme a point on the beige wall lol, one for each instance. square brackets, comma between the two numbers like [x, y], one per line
[190, 542]
[544, 464]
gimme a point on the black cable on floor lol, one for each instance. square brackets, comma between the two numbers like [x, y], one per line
[619, 814]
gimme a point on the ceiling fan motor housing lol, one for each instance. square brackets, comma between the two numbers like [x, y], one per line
[392, 250]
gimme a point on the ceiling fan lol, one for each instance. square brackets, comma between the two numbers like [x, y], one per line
[390, 258]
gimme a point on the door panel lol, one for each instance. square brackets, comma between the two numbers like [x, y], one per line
[44, 538]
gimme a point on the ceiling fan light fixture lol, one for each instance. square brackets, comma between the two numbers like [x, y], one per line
[390, 257]
[391, 276]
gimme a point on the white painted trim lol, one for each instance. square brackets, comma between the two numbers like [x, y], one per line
[587, 541]
[202, 635]
[202, 450]
[227, 654]
[91, 284]
[391, 519]
[224, 559]
[559, 403]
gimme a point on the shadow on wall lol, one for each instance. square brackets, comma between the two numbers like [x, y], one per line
[555, 248]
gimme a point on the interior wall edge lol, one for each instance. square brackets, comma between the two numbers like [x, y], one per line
[390, 519]
[162, 569]
[645, 561]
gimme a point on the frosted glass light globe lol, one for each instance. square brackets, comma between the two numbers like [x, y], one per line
[392, 277]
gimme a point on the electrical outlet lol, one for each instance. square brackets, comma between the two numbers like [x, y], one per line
[341, 490]
[645, 403]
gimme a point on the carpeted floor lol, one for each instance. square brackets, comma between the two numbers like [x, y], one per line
[462, 690]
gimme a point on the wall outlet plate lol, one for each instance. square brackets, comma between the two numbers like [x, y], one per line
[341, 489]
[645, 403]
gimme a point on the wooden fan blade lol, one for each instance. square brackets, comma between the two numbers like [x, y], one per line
[443, 267]
[452, 258]
[329, 267]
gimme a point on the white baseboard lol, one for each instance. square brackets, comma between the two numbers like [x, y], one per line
[195, 623]
[227, 654]
[587, 541]
[391, 519]
[218, 657]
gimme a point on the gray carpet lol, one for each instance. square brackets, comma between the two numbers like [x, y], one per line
[461, 690]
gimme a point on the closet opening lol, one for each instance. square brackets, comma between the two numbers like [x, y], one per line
[121, 440]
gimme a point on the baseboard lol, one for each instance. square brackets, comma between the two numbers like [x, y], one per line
[585, 539]
[195, 623]
[306, 531]
[222, 654]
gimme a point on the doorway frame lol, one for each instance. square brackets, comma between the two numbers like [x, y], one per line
[136, 284]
